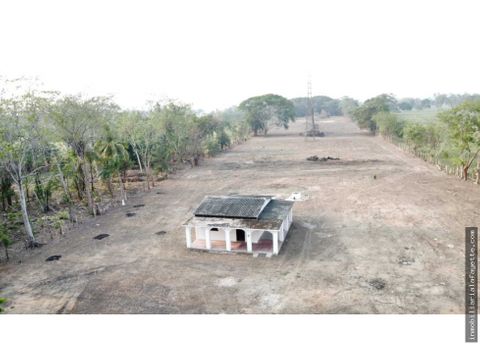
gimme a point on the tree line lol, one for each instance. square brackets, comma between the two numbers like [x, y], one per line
[80, 151]
[321, 105]
[327, 106]
[452, 142]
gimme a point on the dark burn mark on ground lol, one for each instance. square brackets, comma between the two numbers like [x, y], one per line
[101, 236]
[130, 214]
[138, 205]
[34, 245]
[161, 232]
[325, 158]
[405, 260]
[53, 258]
[378, 284]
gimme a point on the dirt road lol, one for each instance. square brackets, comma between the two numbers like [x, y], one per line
[393, 244]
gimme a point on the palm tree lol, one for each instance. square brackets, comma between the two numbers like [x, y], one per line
[113, 156]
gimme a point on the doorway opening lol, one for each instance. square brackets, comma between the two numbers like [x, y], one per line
[240, 234]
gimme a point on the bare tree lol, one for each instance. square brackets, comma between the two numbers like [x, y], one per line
[142, 132]
[21, 120]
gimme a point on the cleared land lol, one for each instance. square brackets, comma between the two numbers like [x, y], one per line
[393, 244]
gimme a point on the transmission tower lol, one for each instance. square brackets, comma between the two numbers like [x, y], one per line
[311, 112]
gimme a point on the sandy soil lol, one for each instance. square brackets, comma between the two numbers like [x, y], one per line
[350, 236]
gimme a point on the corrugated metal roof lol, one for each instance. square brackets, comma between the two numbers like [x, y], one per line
[235, 207]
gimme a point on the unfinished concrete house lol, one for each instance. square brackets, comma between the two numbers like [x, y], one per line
[250, 224]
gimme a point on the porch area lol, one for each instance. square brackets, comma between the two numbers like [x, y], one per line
[223, 238]
[261, 247]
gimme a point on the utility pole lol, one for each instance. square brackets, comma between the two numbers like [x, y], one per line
[310, 110]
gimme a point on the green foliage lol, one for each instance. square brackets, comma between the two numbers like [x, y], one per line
[332, 107]
[58, 223]
[212, 145]
[5, 239]
[405, 105]
[171, 133]
[78, 121]
[6, 189]
[44, 190]
[364, 114]
[261, 110]
[452, 100]
[223, 139]
[389, 125]
[13, 216]
[63, 215]
[235, 126]
[112, 154]
[425, 139]
[424, 104]
[181, 131]
[2, 301]
[53, 222]
[415, 134]
[463, 126]
[328, 105]
[348, 106]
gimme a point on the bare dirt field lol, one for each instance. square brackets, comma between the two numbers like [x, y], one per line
[393, 244]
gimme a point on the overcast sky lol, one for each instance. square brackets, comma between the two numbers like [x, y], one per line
[214, 54]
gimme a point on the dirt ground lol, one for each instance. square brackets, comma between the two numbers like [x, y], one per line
[393, 244]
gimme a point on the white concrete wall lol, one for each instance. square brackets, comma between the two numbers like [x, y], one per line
[217, 235]
[200, 232]
[220, 234]
[214, 235]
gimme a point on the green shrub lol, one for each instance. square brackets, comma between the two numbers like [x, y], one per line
[2, 301]
[389, 125]
[63, 215]
[13, 216]
[5, 239]
[212, 145]
[415, 135]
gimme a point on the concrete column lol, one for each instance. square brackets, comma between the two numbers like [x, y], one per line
[208, 243]
[290, 215]
[188, 233]
[228, 241]
[281, 233]
[248, 235]
[275, 242]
